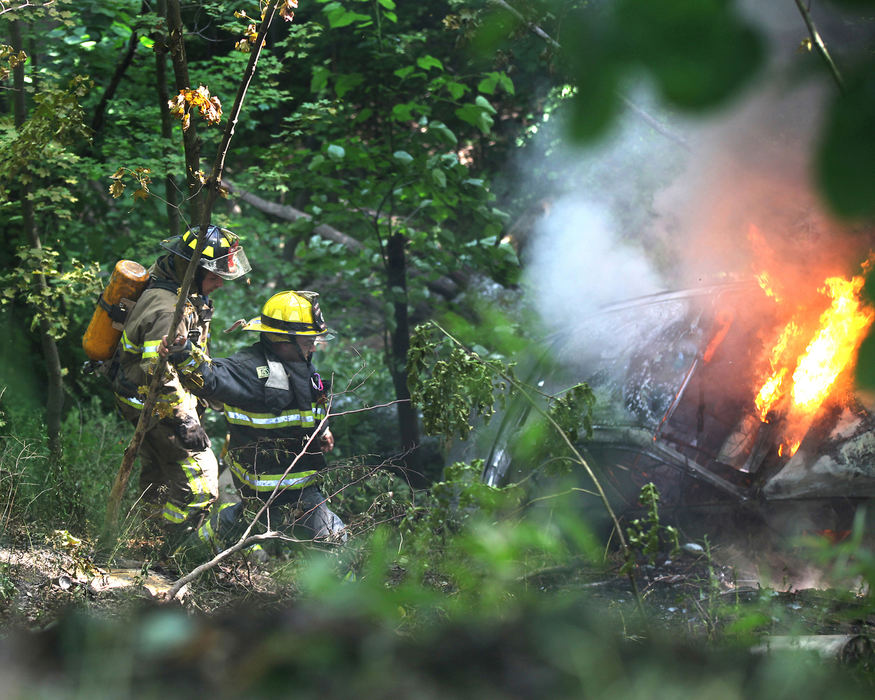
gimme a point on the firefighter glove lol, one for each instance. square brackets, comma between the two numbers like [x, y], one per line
[191, 435]
[179, 354]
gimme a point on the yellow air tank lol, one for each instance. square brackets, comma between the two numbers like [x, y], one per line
[127, 282]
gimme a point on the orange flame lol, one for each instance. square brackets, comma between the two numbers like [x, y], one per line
[831, 349]
[771, 392]
[842, 327]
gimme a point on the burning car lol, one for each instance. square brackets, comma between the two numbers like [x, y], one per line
[726, 394]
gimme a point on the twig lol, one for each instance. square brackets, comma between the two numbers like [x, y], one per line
[820, 44]
[23, 6]
[535, 29]
[173, 591]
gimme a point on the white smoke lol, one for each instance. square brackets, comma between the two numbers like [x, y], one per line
[579, 264]
[661, 208]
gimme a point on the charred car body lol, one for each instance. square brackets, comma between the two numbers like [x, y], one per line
[676, 377]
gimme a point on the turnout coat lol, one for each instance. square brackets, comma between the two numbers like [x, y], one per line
[272, 408]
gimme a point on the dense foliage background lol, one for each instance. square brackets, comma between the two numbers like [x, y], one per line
[378, 159]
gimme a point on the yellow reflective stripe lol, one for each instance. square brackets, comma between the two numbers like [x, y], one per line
[173, 513]
[129, 346]
[207, 532]
[268, 482]
[138, 404]
[197, 482]
[196, 359]
[270, 421]
[172, 399]
[130, 401]
[150, 349]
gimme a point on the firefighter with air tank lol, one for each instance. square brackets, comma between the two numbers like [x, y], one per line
[179, 472]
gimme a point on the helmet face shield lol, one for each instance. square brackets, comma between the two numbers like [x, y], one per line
[222, 253]
[229, 267]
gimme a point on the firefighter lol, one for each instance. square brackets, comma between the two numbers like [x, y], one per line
[179, 472]
[274, 402]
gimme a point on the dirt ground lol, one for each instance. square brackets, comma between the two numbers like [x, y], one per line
[688, 589]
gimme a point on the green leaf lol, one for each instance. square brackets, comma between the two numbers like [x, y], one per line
[488, 84]
[338, 16]
[475, 115]
[845, 159]
[427, 62]
[456, 89]
[402, 112]
[442, 130]
[439, 178]
[700, 52]
[345, 82]
[320, 79]
[388, 4]
[493, 80]
[336, 152]
[402, 157]
[483, 103]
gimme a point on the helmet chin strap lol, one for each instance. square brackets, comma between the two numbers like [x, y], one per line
[294, 343]
[301, 352]
[199, 275]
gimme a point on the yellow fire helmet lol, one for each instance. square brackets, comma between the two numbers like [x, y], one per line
[291, 313]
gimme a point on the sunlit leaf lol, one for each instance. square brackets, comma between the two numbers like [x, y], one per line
[846, 154]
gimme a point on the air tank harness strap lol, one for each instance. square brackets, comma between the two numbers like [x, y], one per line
[117, 312]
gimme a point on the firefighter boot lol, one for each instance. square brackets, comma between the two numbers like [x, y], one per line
[318, 519]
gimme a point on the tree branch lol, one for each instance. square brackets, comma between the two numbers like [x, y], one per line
[289, 213]
[820, 44]
[214, 182]
[443, 286]
[245, 538]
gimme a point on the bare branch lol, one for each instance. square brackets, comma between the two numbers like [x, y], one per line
[820, 44]
[536, 30]
[215, 180]
[173, 591]
[23, 6]
[444, 286]
[289, 213]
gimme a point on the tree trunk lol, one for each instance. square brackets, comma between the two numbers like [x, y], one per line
[54, 375]
[396, 271]
[192, 143]
[171, 189]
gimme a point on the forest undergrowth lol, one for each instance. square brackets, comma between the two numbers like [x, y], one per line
[458, 589]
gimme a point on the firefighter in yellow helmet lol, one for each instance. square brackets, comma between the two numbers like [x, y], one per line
[179, 472]
[275, 404]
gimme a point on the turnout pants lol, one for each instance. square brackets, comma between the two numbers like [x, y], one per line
[180, 483]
